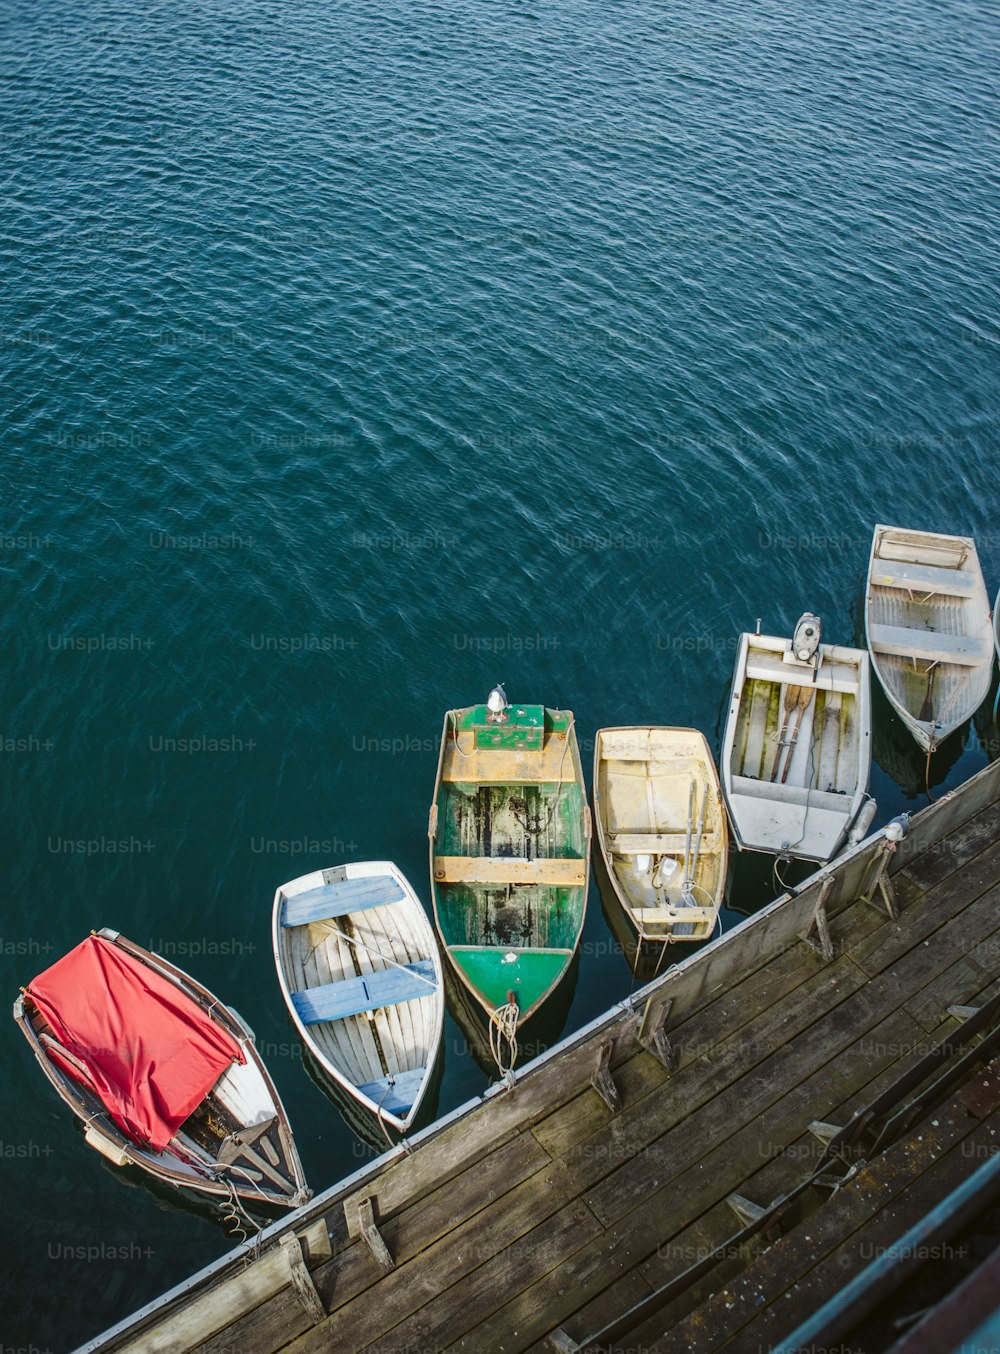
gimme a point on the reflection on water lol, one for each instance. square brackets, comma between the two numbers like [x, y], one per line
[371, 1130]
[896, 752]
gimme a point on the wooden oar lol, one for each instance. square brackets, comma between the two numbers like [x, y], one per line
[803, 697]
[792, 694]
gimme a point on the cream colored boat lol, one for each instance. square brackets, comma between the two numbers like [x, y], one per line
[662, 829]
[927, 617]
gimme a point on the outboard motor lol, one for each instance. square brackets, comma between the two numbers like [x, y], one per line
[806, 637]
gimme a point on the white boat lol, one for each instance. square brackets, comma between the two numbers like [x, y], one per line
[996, 626]
[662, 831]
[361, 975]
[161, 1073]
[927, 618]
[796, 753]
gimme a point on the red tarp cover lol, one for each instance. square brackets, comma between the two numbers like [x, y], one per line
[151, 1052]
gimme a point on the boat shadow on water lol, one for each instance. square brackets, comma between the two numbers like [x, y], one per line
[239, 1222]
[378, 1136]
[896, 753]
[757, 879]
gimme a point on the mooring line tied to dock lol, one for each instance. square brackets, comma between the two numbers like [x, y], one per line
[503, 1037]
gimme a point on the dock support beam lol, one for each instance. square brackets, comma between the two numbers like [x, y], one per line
[302, 1280]
[822, 943]
[747, 1211]
[561, 1342]
[651, 1034]
[825, 1132]
[880, 880]
[602, 1081]
[372, 1236]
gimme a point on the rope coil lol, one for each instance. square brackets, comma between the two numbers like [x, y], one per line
[503, 1038]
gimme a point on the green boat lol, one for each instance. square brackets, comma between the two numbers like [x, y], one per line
[510, 851]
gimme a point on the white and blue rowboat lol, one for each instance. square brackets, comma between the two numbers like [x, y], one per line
[360, 972]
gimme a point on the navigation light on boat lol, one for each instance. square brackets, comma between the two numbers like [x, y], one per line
[805, 640]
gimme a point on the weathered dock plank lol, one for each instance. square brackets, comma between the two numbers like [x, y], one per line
[918, 925]
[945, 855]
[720, 1016]
[846, 1005]
[656, 1237]
[778, 1278]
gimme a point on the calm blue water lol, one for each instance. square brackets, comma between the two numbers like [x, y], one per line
[357, 357]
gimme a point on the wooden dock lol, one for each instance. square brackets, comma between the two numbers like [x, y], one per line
[702, 1168]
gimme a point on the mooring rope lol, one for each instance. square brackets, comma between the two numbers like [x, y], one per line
[503, 1039]
[236, 1209]
[389, 1084]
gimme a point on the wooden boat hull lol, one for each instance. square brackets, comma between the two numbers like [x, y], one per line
[510, 853]
[928, 629]
[643, 782]
[361, 975]
[204, 1156]
[796, 752]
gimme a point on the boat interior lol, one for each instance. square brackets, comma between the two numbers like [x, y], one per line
[510, 864]
[798, 729]
[651, 783]
[364, 984]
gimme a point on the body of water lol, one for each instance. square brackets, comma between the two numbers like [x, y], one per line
[356, 358]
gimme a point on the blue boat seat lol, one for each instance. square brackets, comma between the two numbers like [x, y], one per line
[336, 900]
[351, 996]
[400, 1096]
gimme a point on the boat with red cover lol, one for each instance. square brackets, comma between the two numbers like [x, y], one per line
[162, 1074]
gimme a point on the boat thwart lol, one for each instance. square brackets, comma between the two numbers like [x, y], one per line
[509, 851]
[661, 829]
